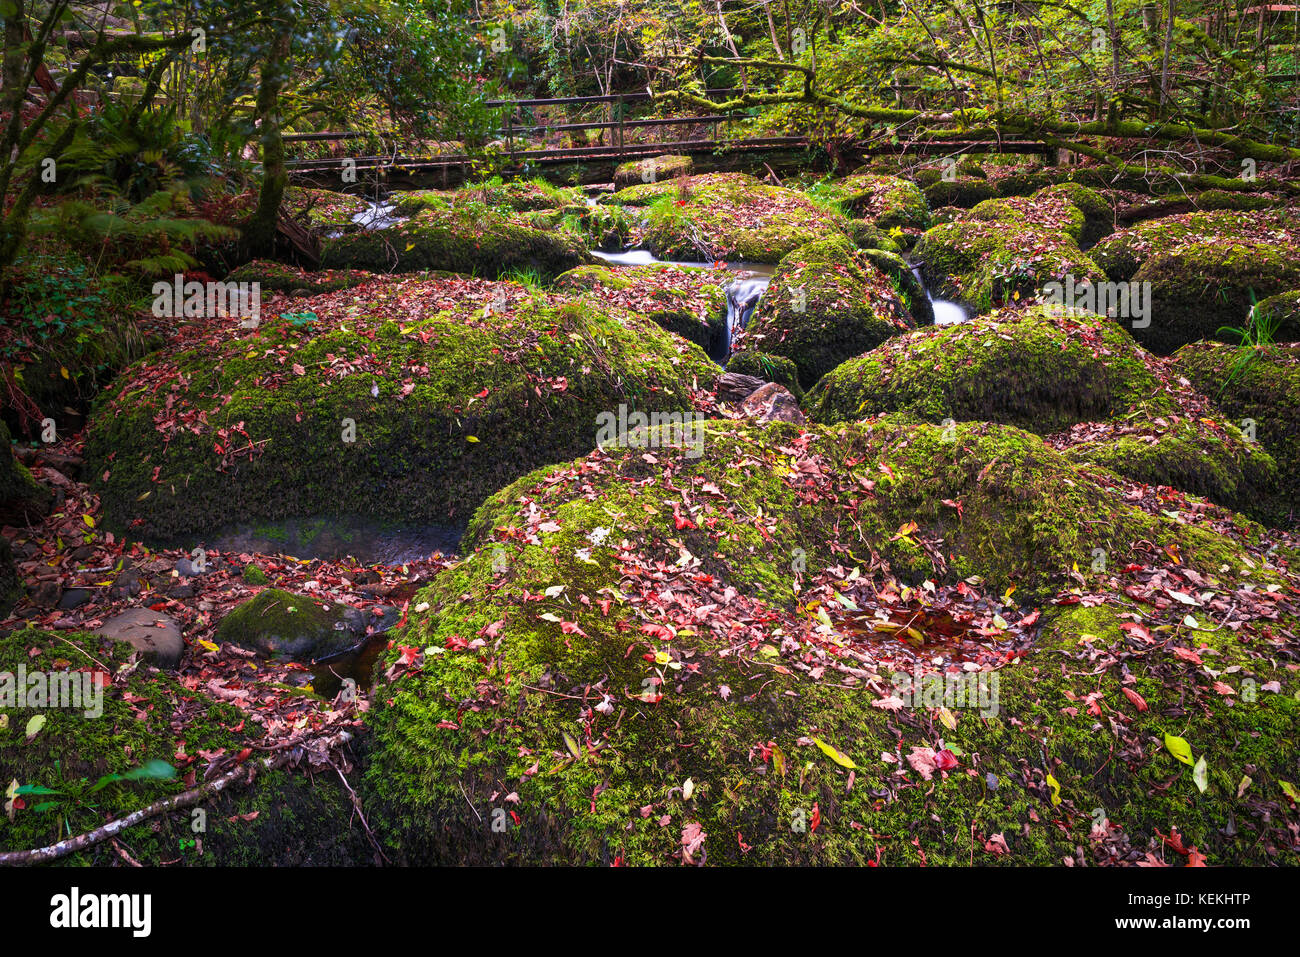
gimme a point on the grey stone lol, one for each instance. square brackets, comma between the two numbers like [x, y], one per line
[155, 635]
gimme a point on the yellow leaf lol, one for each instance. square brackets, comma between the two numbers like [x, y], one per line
[207, 644]
[90, 522]
[1179, 748]
[471, 438]
[948, 719]
[838, 757]
[571, 744]
[778, 760]
[64, 372]
[1055, 785]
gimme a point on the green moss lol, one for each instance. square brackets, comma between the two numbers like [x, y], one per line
[280, 624]
[1281, 313]
[984, 263]
[1217, 463]
[1123, 253]
[1200, 287]
[1034, 370]
[252, 575]
[688, 302]
[825, 303]
[278, 277]
[461, 239]
[283, 818]
[23, 501]
[325, 208]
[735, 217]
[964, 191]
[1267, 393]
[887, 201]
[652, 170]
[510, 731]
[468, 399]
[866, 235]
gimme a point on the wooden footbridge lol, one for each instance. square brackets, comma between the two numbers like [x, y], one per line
[513, 152]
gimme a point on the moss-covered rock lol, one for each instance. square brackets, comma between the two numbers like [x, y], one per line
[1217, 462]
[416, 419]
[1032, 369]
[1280, 315]
[964, 191]
[10, 584]
[769, 367]
[732, 216]
[1099, 217]
[283, 818]
[1121, 254]
[1202, 287]
[670, 701]
[826, 302]
[23, 500]
[654, 169]
[691, 303]
[461, 239]
[279, 624]
[984, 263]
[866, 235]
[279, 277]
[1261, 393]
[887, 201]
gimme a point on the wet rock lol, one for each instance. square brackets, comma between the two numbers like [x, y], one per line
[156, 636]
[181, 591]
[74, 598]
[46, 594]
[736, 387]
[283, 625]
[773, 403]
[126, 585]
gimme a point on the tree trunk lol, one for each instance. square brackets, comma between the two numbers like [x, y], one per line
[261, 231]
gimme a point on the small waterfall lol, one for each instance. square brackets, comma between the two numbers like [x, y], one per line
[743, 292]
[378, 214]
[947, 312]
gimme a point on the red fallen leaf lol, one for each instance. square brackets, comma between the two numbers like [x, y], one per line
[1029, 619]
[1195, 858]
[158, 607]
[1139, 702]
[448, 725]
[243, 755]
[816, 817]
[997, 845]
[1137, 631]
[407, 655]
[571, 628]
[945, 760]
[491, 630]
[1187, 655]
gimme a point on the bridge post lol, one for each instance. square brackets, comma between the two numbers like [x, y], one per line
[620, 126]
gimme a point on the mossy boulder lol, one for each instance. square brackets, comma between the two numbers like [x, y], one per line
[281, 625]
[11, 588]
[984, 263]
[357, 414]
[283, 818]
[733, 216]
[826, 302]
[23, 500]
[1202, 287]
[1261, 394]
[1281, 315]
[691, 303]
[1099, 217]
[866, 235]
[654, 169]
[963, 191]
[1216, 462]
[887, 201]
[480, 242]
[279, 277]
[670, 701]
[1032, 369]
[769, 367]
[1123, 253]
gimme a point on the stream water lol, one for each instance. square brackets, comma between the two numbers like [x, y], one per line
[381, 543]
